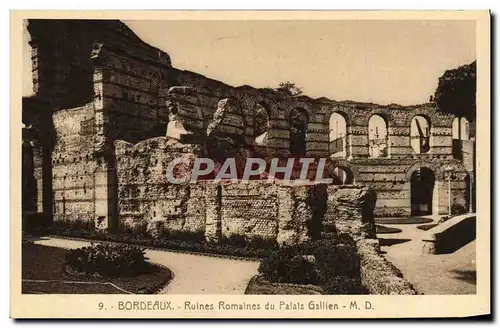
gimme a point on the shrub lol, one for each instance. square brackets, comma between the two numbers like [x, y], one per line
[336, 258]
[344, 286]
[235, 240]
[287, 265]
[331, 263]
[72, 225]
[259, 242]
[457, 209]
[249, 243]
[35, 222]
[108, 260]
[185, 235]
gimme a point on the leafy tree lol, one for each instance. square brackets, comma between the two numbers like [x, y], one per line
[289, 88]
[456, 92]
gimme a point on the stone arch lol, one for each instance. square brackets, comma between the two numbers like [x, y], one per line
[341, 111]
[351, 170]
[424, 164]
[430, 113]
[378, 136]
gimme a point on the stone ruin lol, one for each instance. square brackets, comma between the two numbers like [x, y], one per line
[109, 112]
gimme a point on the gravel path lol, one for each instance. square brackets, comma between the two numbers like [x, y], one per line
[193, 274]
[432, 274]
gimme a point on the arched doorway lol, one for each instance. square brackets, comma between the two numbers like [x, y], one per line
[422, 191]
[338, 135]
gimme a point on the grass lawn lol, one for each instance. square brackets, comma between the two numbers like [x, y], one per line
[43, 272]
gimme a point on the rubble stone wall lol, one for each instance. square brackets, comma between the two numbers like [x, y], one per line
[73, 164]
[350, 210]
[103, 83]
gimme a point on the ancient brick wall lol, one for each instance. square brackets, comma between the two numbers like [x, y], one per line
[109, 85]
[249, 209]
[145, 193]
[73, 164]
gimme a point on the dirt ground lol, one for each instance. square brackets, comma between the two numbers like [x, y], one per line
[431, 274]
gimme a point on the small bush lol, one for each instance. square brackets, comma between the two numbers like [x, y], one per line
[35, 222]
[333, 264]
[250, 243]
[235, 240]
[344, 286]
[72, 225]
[259, 242]
[457, 209]
[108, 260]
[286, 265]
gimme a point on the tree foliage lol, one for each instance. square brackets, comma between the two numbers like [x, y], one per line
[456, 91]
[289, 88]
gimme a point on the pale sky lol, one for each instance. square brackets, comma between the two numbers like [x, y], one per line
[366, 61]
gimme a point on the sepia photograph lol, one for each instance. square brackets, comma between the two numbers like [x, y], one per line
[331, 158]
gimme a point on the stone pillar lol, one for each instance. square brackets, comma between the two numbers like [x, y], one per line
[303, 214]
[105, 179]
[329, 230]
[287, 234]
[353, 206]
[213, 223]
[106, 200]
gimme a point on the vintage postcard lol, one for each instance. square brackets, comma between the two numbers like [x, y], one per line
[250, 164]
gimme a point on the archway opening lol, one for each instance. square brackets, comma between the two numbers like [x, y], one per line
[422, 191]
[460, 128]
[420, 134]
[261, 124]
[298, 121]
[338, 135]
[341, 175]
[377, 137]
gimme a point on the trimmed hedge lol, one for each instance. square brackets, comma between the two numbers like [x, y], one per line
[108, 260]
[234, 245]
[332, 264]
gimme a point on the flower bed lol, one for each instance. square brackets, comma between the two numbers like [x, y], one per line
[45, 271]
[332, 265]
[235, 245]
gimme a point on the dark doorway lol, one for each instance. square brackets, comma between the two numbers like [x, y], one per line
[298, 131]
[422, 189]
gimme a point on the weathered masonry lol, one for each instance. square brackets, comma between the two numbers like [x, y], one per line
[100, 100]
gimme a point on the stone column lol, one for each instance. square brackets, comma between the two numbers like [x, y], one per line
[329, 230]
[353, 206]
[213, 223]
[302, 215]
[287, 234]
